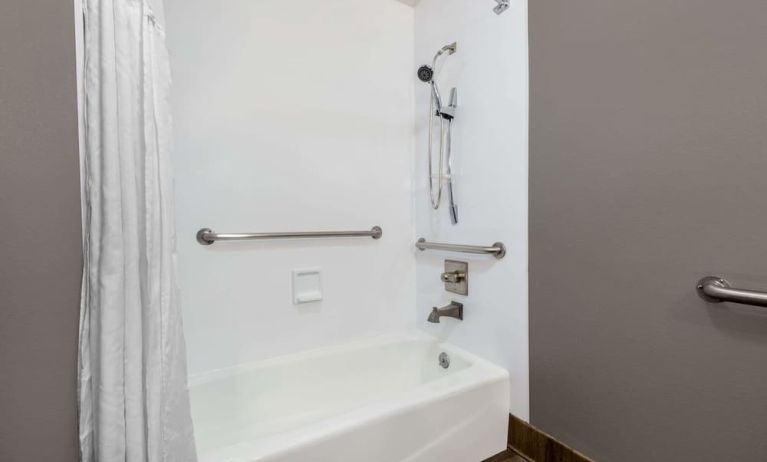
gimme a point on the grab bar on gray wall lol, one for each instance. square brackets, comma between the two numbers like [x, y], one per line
[498, 250]
[716, 290]
[206, 236]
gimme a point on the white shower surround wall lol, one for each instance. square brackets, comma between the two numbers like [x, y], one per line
[292, 116]
[299, 116]
[490, 70]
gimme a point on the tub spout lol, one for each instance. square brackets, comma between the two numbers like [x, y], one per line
[453, 310]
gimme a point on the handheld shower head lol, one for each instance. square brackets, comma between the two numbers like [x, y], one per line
[425, 74]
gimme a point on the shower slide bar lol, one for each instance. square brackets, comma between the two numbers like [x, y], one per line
[498, 250]
[716, 290]
[207, 236]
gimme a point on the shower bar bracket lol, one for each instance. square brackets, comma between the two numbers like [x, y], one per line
[502, 6]
[498, 250]
[206, 236]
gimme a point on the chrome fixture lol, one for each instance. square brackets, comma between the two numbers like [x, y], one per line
[444, 360]
[456, 277]
[502, 6]
[453, 310]
[716, 290]
[498, 250]
[449, 114]
[444, 115]
[206, 236]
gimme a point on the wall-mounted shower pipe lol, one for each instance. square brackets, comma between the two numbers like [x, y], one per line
[445, 115]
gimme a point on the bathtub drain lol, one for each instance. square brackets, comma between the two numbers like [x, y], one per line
[444, 360]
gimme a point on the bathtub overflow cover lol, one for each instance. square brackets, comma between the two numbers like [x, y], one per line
[444, 360]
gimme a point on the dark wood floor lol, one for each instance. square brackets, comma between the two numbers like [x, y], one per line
[507, 456]
[528, 444]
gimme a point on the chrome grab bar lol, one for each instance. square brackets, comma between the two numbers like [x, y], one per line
[206, 236]
[498, 250]
[716, 290]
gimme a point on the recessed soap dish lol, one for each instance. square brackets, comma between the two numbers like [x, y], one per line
[307, 286]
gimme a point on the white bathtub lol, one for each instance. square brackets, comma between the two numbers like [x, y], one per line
[382, 400]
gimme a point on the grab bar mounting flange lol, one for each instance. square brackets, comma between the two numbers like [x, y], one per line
[717, 290]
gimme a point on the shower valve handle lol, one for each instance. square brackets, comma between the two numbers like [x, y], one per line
[453, 276]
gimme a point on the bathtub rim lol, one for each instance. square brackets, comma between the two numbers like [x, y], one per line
[413, 336]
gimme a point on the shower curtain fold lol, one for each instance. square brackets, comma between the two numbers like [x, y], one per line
[133, 399]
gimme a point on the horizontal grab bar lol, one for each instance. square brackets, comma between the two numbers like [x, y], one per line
[716, 290]
[206, 236]
[498, 250]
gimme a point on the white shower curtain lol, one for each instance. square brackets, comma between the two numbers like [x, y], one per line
[133, 400]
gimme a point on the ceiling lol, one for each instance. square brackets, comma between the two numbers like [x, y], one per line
[409, 2]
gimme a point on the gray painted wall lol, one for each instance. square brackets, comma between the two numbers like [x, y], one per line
[40, 254]
[648, 166]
